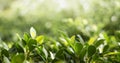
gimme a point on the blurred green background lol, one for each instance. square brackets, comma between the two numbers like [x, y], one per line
[48, 17]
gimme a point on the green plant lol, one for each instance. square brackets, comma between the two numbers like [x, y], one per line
[34, 49]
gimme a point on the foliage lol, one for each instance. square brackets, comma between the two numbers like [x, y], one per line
[34, 49]
[74, 17]
[69, 31]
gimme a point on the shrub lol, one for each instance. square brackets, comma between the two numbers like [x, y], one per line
[41, 49]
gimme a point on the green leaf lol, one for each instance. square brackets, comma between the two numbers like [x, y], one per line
[95, 57]
[5, 53]
[106, 37]
[39, 49]
[4, 45]
[112, 53]
[99, 42]
[91, 50]
[19, 48]
[106, 47]
[81, 39]
[31, 44]
[40, 39]
[5, 60]
[52, 55]
[45, 52]
[26, 37]
[78, 47]
[24, 42]
[72, 39]
[69, 51]
[18, 36]
[18, 58]
[32, 32]
[83, 53]
[59, 53]
[25, 61]
[92, 40]
[63, 41]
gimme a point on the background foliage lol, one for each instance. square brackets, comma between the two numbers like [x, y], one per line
[60, 23]
[73, 17]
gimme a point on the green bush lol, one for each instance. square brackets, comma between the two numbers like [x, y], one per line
[32, 48]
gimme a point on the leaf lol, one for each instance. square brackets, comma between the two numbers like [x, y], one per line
[24, 42]
[95, 57]
[99, 42]
[32, 32]
[4, 45]
[40, 39]
[106, 47]
[18, 58]
[26, 37]
[25, 61]
[39, 49]
[92, 40]
[100, 48]
[59, 53]
[83, 53]
[45, 52]
[112, 53]
[72, 39]
[19, 48]
[52, 55]
[81, 39]
[91, 50]
[18, 36]
[5, 53]
[78, 47]
[5, 60]
[31, 44]
[63, 41]
[106, 37]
